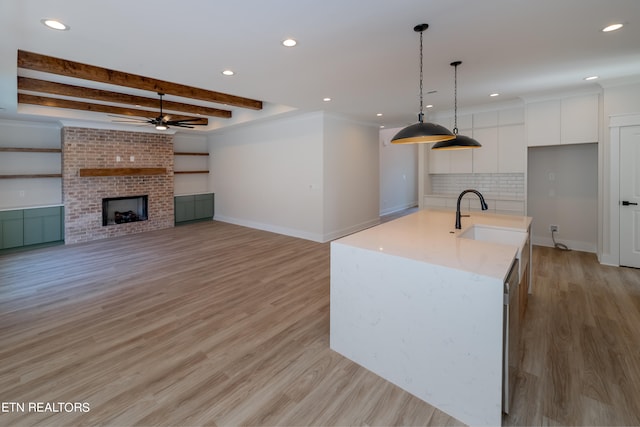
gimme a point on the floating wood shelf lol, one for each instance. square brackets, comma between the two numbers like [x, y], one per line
[185, 172]
[123, 171]
[182, 153]
[31, 150]
[35, 175]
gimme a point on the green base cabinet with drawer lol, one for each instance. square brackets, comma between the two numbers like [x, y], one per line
[196, 207]
[25, 227]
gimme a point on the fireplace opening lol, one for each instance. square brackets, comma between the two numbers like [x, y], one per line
[120, 210]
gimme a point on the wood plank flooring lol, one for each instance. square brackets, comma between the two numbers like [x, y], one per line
[216, 324]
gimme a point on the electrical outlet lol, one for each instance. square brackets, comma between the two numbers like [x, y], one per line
[553, 228]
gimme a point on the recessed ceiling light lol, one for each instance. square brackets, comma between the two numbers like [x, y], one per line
[379, 114]
[612, 27]
[494, 94]
[289, 42]
[429, 106]
[381, 126]
[326, 99]
[55, 24]
[591, 78]
[228, 73]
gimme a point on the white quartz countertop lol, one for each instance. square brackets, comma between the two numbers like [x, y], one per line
[430, 236]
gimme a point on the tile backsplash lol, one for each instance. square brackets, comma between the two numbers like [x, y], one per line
[506, 185]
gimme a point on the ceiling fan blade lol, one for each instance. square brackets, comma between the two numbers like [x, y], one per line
[195, 119]
[133, 119]
[184, 122]
[179, 125]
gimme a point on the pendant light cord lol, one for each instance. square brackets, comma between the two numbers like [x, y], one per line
[455, 97]
[421, 115]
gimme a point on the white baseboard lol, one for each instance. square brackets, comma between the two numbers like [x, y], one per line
[575, 245]
[395, 209]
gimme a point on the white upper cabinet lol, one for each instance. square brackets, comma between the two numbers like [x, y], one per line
[512, 150]
[452, 161]
[485, 158]
[579, 119]
[572, 120]
[542, 123]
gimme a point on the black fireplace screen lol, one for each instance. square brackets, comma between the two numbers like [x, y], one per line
[119, 210]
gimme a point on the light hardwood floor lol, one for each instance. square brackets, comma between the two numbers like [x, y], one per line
[215, 324]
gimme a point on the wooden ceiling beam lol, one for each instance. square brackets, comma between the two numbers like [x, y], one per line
[36, 85]
[24, 98]
[50, 64]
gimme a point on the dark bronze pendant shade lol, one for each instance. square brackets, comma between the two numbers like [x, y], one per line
[422, 132]
[459, 142]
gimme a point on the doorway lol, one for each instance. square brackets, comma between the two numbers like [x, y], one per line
[630, 196]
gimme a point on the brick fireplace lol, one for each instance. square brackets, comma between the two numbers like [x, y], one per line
[144, 165]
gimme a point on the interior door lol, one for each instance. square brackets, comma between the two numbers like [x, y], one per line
[630, 196]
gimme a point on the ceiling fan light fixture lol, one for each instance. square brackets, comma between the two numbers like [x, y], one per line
[459, 142]
[422, 132]
[161, 126]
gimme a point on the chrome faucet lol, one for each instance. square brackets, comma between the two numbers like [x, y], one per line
[483, 204]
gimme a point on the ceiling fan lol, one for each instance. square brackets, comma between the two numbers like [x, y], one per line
[162, 122]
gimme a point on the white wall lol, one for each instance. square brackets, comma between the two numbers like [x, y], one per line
[351, 177]
[268, 175]
[563, 190]
[311, 175]
[398, 173]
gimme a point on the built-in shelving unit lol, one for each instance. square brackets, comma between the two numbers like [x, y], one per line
[30, 150]
[185, 153]
[35, 175]
[191, 171]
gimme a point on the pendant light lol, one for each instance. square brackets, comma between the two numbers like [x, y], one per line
[460, 142]
[422, 132]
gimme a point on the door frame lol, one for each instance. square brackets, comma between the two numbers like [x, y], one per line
[612, 257]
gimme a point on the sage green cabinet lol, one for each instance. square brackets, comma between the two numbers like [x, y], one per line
[195, 207]
[11, 229]
[23, 227]
[43, 225]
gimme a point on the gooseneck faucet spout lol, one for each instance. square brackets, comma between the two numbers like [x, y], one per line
[483, 204]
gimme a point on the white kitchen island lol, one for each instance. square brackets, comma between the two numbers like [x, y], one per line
[423, 308]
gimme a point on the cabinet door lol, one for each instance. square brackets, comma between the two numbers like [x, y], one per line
[461, 161]
[579, 119]
[543, 123]
[512, 149]
[184, 208]
[42, 225]
[485, 158]
[439, 160]
[11, 229]
[203, 206]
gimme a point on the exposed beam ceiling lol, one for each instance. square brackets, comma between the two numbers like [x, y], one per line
[24, 98]
[43, 86]
[49, 64]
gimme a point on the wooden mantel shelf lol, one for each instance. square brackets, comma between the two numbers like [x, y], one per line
[123, 171]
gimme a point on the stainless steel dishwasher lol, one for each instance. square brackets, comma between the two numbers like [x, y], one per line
[510, 335]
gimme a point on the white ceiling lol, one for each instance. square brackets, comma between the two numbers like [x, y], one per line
[361, 53]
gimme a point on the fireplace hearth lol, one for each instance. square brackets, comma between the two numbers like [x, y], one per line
[120, 210]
